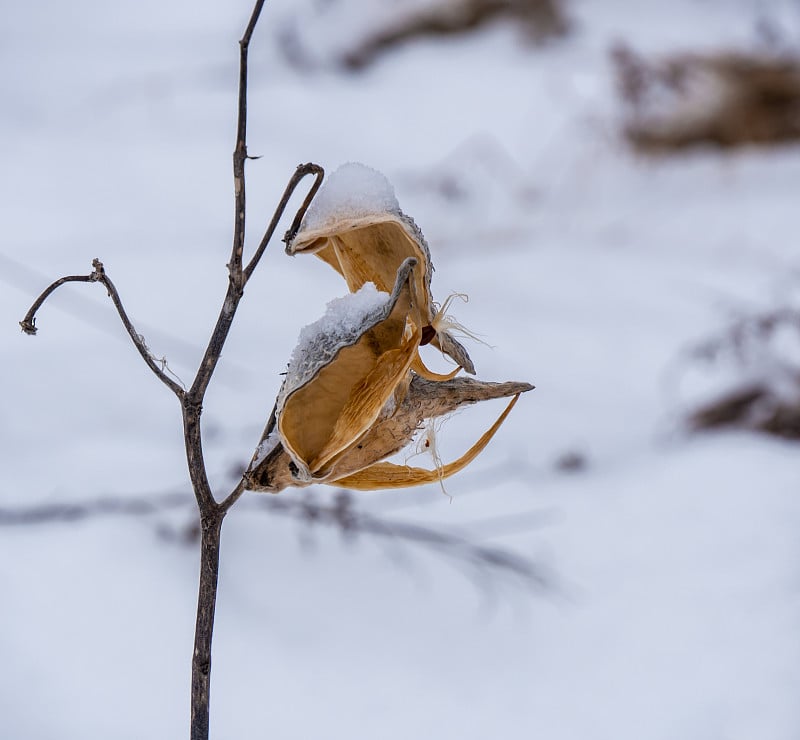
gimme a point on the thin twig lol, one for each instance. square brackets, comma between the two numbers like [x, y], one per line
[28, 324]
[235, 273]
[301, 171]
[240, 152]
[233, 496]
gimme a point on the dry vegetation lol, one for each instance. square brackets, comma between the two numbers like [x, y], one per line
[540, 20]
[725, 99]
[767, 398]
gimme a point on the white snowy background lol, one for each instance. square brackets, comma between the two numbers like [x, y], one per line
[673, 604]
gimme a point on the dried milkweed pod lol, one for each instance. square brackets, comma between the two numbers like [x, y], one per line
[360, 467]
[349, 400]
[383, 475]
[345, 369]
[355, 225]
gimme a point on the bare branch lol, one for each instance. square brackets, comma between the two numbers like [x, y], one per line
[98, 275]
[240, 153]
[301, 171]
[293, 229]
[28, 324]
[233, 496]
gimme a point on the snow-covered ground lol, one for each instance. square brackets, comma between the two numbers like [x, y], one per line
[673, 604]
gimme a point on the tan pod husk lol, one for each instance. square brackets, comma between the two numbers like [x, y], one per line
[370, 248]
[333, 396]
[383, 475]
[416, 399]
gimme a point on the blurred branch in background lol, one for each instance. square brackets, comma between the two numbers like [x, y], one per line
[540, 20]
[478, 561]
[724, 99]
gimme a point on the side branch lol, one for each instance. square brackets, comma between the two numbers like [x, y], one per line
[301, 172]
[28, 324]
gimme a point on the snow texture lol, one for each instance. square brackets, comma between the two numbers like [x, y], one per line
[352, 191]
[264, 448]
[344, 321]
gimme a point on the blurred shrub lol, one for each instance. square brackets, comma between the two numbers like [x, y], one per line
[354, 33]
[764, 395]
[726, 99]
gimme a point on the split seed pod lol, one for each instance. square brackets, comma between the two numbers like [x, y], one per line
[355, 225]
[343, 374]
[361, 468]
[349, 399]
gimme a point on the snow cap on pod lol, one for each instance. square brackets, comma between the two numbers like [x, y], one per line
[355, 225]
[346, 368]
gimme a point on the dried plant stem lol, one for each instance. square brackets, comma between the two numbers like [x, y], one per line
[211, 511]
[210, 527]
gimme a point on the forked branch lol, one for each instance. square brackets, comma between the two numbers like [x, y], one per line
[211, 512]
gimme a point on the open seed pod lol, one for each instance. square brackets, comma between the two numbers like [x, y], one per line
[355, 225]
[360, 467]
[343, 372]
[349, 399]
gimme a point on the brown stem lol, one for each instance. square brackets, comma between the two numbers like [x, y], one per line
[28, 324]
[233, 496]
[240, 151]
[211, 512]
[193, 441]
[301, 171]
[210, 527]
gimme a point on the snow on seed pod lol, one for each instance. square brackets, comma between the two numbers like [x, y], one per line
[344, 371]
[356, 226]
